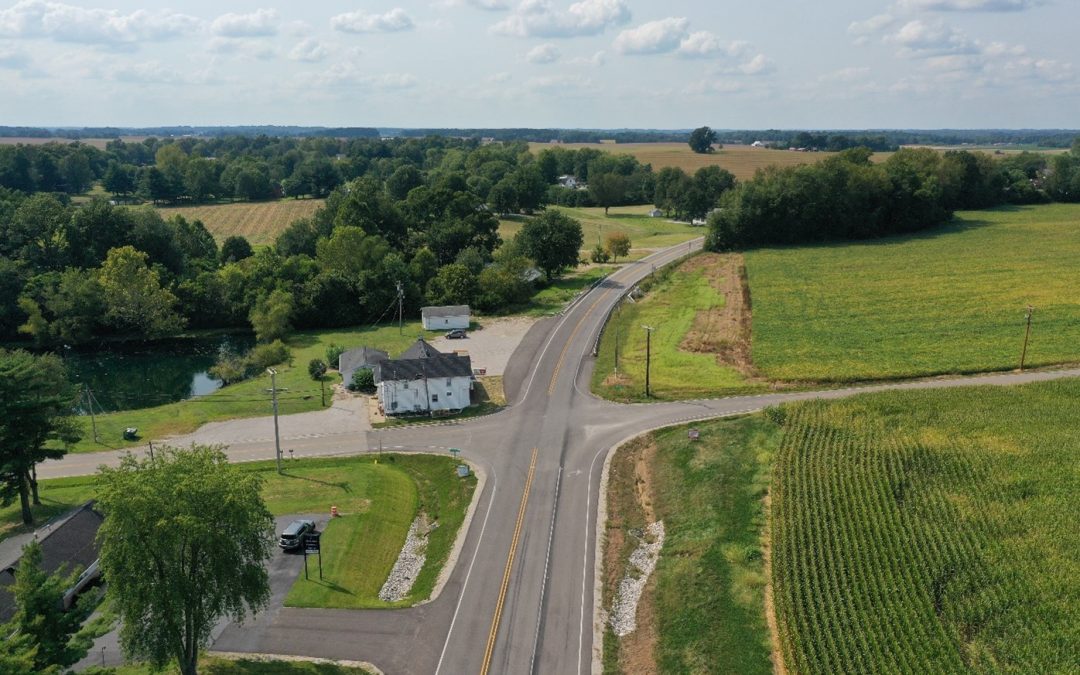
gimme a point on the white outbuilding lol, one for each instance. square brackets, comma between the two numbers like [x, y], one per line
[445, 318]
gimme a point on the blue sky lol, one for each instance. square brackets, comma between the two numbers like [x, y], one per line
[540, 63]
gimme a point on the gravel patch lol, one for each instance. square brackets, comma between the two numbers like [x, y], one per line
[409, 563]
[643, 560]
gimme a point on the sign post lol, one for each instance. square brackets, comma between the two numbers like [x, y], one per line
[313, 546]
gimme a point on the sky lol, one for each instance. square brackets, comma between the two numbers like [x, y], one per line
[830, 64]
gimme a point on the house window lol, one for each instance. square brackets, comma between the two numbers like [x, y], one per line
[449, 393]
[434, 397]
[448, 381]
[393, 405]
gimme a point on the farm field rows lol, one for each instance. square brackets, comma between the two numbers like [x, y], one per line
[950, 300]
[258, 222]
[930, 531]
[741, 160]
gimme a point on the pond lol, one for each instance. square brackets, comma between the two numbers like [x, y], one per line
[127, 376]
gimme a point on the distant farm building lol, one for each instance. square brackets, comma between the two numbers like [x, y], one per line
[445, 318]
[656, 213]
[569, 182]
[424, 380]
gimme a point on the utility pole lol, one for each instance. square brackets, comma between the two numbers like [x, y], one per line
[400, 308]
[151, 444]
[273, 396]
[89, 396]
[1027, 336]
[648, 356]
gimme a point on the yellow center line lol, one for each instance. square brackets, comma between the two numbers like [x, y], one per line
[566, 347]
[509, 564]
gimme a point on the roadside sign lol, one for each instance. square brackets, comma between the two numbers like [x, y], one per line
[312, 542]
[455, 452]
[694, 434]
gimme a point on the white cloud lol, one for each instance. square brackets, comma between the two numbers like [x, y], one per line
[154, 72]
[68, 23]
[251, 49]
[259, 23]
[872, 25]
[703, 44]
[970, 5]
[560, 83]
[545, 53]
[538, 18]
[309, 50]
[488, 5]
[394, 21]
[850, 74]
[919, 39]
[654, 37]
[349, 73]
[11, 58]
[759, 65]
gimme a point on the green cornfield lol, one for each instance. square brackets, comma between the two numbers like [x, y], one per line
[930, 532]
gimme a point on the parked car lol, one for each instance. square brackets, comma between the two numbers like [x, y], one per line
[292, 537]
[457, 334]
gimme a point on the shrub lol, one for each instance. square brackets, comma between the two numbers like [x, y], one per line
[262, 357]
[599, 254]
[231, 368]
[333, 353]
[362, 380]
[316, 368]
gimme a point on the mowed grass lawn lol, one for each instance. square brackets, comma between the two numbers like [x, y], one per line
[378, 497]
[951, 300]
[673, 299]
[258, 222]
[931, 531]
[362, 546]
[249, 398]
[646, 234]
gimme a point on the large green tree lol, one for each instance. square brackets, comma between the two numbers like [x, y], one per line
[271, 317]
[607, 190]
[35, 404]
[184, 543]
[553, 240]
[134, 297]
[40, 613]
[702, 139]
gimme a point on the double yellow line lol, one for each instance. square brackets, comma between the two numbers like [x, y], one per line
[509, 564]
[566, 347]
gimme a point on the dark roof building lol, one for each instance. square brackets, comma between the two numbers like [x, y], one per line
[70, 544]
[422, 361]
[355, 359]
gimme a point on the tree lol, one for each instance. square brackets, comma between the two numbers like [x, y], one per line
[553, 240]
[119, 178]
[607, 190]
[617, 244]
[503, 196]
[453, 285]
[235, 249]
[200, 181]
[316, 368]
[77, 172]
[40, 614]
[271, 316]
[702, 139]
[35, 403]
[134, 297]
[184, 543]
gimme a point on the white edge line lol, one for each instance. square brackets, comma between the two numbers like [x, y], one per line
[464, 586]
[547, 564]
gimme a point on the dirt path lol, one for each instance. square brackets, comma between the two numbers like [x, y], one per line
[723, 330]
[779, 668]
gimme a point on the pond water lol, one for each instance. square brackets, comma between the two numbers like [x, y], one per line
[126, 376]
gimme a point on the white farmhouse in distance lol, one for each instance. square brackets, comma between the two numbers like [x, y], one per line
[445, 318]
[424, 380]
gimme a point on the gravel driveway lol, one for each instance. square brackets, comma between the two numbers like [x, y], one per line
[491, 345]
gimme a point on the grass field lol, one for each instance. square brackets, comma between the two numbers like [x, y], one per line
[258, 222]
[674, 299]
[930, 532]
[705, 606]
[378, 497]
[741, 160]
[951, 300]
[215, 665]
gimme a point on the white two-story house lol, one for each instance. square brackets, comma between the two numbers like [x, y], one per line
[424, 380]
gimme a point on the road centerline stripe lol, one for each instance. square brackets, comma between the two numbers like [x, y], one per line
[494, 632]
[570, 340]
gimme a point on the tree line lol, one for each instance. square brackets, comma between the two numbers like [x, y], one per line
[847, 196]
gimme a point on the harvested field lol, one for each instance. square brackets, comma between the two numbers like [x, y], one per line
[723, 330]
[258, 222]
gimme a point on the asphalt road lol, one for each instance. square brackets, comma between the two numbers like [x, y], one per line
[520, 599]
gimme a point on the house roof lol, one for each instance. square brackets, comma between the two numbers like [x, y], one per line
[420, 350]
[70, 544]
[429, 367]
[448, 310]
[361, 357]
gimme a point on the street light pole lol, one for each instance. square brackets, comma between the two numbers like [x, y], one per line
[1027, 336]
[277, 436]
[648, 356]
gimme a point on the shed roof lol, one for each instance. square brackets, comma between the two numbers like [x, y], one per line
[447, 310]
